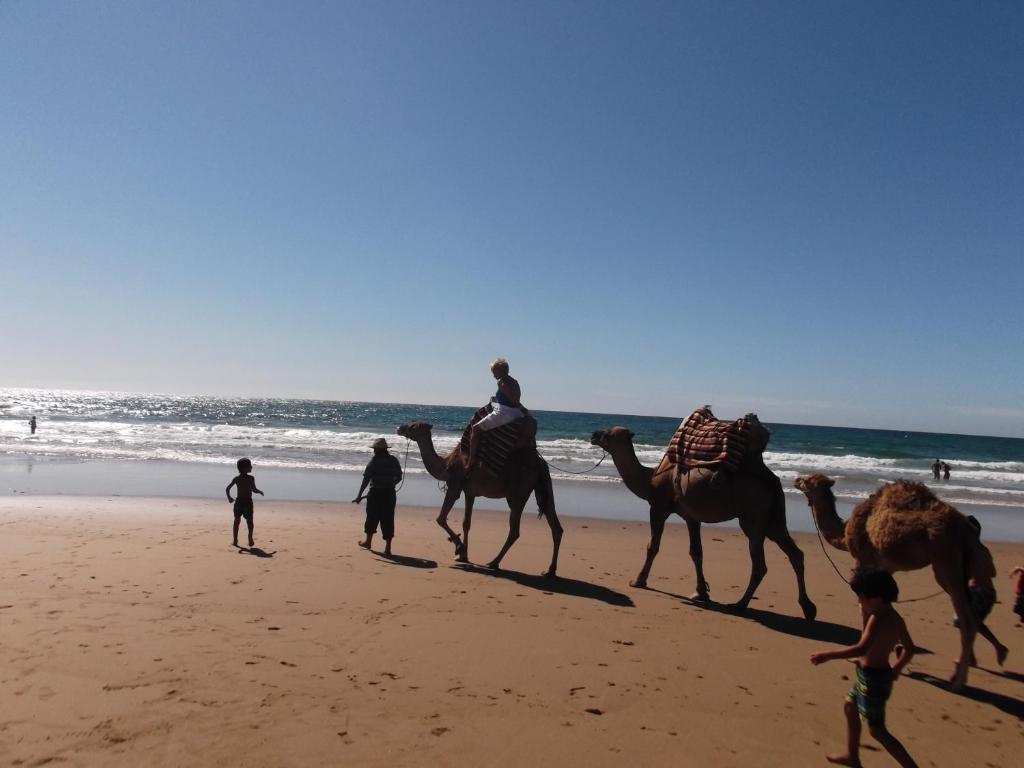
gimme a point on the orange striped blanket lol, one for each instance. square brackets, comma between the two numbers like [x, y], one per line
[495, 444]
[703, 441]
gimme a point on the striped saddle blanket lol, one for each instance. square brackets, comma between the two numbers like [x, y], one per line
[704, 441]
[495, 444]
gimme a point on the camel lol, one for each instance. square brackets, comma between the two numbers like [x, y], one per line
[903, 527]
[753, 494]
[525, 473]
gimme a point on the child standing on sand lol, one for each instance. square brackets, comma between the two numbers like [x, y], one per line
[1018, 604]
[246, 484]
[884, 631]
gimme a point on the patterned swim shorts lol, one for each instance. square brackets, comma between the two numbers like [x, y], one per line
[870, 692]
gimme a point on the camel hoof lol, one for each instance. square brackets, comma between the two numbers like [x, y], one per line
[494, 565]
[736, 607]
[638, 584]
[701, 597]
[461, 557]
[810, 610]
[549, 574]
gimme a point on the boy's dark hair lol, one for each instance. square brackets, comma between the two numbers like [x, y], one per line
[874, 583]
[244, 465]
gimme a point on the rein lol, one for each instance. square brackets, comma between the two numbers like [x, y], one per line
[583, 472]
[821, 541]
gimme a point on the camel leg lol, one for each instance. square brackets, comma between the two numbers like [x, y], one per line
[556, 542]
[467, 520]
[450, 497]
[657, 529]
[796, 559]
[758, 567]
[703, 593]
[515, 517]
[950, 575]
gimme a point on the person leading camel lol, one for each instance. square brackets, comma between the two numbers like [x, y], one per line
[505, 406]
[884, 633]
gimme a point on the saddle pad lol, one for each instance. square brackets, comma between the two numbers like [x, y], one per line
[495, 444]
[702, 440]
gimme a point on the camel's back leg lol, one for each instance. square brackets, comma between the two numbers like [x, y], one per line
[658, 518]
[545, 497]
[780, 535]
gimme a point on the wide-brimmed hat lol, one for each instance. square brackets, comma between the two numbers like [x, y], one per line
[380, 442]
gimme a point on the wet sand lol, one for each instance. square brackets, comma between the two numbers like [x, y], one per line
[133, 633]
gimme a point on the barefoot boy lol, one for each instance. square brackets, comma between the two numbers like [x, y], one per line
[883, 632]
[246, 484]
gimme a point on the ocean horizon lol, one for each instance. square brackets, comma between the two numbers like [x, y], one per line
[296, 436]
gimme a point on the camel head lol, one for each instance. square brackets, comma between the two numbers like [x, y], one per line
[815, 487]
[610, 439]
[416, 430]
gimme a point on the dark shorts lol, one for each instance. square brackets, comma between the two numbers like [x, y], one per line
[1018, 605]
[380, 509]
[870, 692]
[243, 508]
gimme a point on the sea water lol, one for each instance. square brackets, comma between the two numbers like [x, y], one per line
[319, 437]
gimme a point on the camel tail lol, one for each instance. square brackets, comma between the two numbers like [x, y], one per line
[543, 490]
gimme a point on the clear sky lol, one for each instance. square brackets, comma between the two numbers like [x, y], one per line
[812, 210]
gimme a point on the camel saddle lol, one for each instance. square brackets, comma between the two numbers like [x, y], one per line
[496, 445]
[703, 441]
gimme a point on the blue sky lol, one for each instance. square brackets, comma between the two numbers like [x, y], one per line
[810, 210]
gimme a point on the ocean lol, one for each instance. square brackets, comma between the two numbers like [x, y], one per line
[324, 436]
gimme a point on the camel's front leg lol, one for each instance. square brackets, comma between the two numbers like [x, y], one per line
[450, 497]
[703, 593]
[949, 574]
[463, 556]
[758, 569]
[658, 518]
[513, 533]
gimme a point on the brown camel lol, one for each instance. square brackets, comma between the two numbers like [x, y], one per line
[525, 473]
[752, 493]
[903, 527]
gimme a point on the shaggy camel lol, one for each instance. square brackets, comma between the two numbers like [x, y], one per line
[903, 527]
[525, 473]
[752, 493]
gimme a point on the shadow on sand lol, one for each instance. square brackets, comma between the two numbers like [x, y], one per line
[822, 631]
[557, 585]
[410, 562]
[1007, 704]
[255, 551]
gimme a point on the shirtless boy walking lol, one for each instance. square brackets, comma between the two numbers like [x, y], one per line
[884, 632]
[246, 485]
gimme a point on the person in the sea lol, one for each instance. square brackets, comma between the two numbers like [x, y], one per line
[945, 471]
[884, 632]
[936, 468]
[1018, 603]
[382, 474]
[245, 484]
[32, 424]
[505, 408]
[981, 592]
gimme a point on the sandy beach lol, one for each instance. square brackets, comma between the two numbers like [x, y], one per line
[132, 633]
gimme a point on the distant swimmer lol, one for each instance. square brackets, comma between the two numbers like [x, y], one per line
[32, 424]
[945, 471]
[936, 467]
